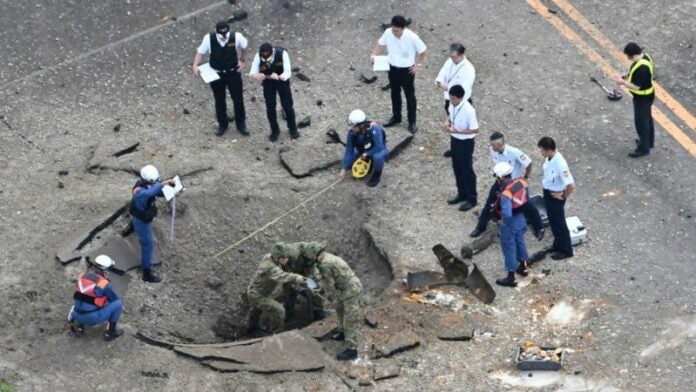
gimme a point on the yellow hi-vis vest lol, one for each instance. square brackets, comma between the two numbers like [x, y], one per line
[646, 60]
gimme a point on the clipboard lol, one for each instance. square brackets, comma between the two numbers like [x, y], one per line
[208, 74]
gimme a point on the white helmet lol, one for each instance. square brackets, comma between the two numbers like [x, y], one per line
[502, 169]
[150, 174]
[103, 262]
[356, 117]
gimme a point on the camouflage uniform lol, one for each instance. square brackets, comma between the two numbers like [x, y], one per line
[260, 292]
[339, 282]
[301, 260]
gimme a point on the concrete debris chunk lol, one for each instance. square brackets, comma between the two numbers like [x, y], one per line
[401, 341]
[386, 372]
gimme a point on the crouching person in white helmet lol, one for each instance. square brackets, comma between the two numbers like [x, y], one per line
[365, 141]
[143, 210]
[95, 300]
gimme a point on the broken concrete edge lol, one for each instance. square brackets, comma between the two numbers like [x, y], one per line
[170, 345]
[216, 365]
[126, 150]
[372, 245]
[383, 354]
[399, 148]
[106, 223]
[96, 168]
[204, 358]
[311, 171]
[195, 172]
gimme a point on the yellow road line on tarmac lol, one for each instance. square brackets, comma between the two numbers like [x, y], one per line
[666, 98]
[595, 57]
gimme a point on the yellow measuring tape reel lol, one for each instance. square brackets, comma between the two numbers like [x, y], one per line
[361, 168]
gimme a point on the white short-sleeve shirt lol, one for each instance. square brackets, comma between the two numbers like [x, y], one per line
[402, 51]
[515, 157]
[239, 40]
[556, 174]
[463, 116]
[462, 74]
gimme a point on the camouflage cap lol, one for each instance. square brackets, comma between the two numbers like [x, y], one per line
[313, 249]
[280, 249]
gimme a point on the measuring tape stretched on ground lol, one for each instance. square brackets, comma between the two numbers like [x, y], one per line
[274, 221]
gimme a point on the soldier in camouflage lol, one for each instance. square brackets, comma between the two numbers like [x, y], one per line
[268, 277]
[300, 263]
[338, 281]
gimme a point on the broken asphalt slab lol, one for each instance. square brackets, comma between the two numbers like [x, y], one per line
[70, 251]
[125, 251]
[291, 351]
[403, 340]
[452, 326]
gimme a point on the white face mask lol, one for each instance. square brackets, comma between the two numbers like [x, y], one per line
[223, 36]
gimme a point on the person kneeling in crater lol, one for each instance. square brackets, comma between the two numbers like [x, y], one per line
[366, 148]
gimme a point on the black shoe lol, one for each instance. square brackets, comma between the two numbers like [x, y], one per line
[447, 154]
[149, 277]
[391, 122]
[561, 256]
[338, 336]
[455, 200]
[466, 206]
[522, 268]
[273, 136]
[112, 333]
[77, 329]
[412, 127]
[221, 130]
[374, 180]
[348, 354]
[476, 232]
[506, 282]
[540, 234]
[243, 130]
[638, 154]
[294, 135]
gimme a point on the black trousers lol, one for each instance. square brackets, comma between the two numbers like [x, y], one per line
[400, 78]
[270, 89]
[529, 210]
[231, 81]
[645, 128]
[463, 166]
[556, 212]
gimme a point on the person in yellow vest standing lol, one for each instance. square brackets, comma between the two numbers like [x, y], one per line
[639, 82]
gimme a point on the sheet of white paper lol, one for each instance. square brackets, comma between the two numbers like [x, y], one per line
[171, 191]
[381, 64]
[207, 73]
[168, 192]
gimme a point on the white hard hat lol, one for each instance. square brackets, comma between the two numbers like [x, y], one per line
[356, 117]
[104, 262]
[150, 174]
[502, 169]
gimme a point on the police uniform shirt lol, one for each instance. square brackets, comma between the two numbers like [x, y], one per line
[515, 157]
[402, 51]
[287, 69]
[556, 174]
[463, 117]
[239, 40]
[462, 74]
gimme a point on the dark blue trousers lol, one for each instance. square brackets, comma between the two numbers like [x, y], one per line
[556, 212]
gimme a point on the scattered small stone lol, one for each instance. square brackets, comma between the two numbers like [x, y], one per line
[351, 68]
[154, 374]
[117, 127]
[63, 172]
[632, 278]
[319, 102]
[60, 185]
[238, 16]
[552, 10]
[253, 98]
[295, 69]
[546, 272]
[186, 111]
[302, 77]
[386, 87]
[305, 122]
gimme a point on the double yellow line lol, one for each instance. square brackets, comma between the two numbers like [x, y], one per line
[661, 94]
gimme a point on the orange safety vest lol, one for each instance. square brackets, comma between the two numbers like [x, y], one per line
[84, 289]
[516, 191]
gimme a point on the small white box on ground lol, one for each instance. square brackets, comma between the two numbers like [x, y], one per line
[578, 232]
